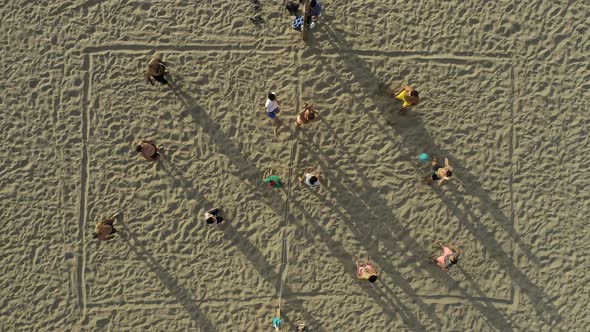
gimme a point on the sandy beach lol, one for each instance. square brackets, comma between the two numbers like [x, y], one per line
[504, 95]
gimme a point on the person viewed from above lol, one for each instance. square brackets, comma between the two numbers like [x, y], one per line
[449, 257]
[315, 11]
[307, 114]
[272, 105]
[409, 96]
[155, 71]
[277, 322]
[104, 230]
[366, 271]
[311, 177]
[274, 181]
[212, 216]
[301, 328]
[147, 149]
[439, 173]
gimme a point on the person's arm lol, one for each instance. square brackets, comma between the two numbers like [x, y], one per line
[441, 182]
[148, 77]
[408, 88]
[446, 162]
[210, 210]
[358, 275]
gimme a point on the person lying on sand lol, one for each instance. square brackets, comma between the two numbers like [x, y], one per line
[306, 115]
[449, 257]
[366, 271]
[311, 177]
[409, 96]
[147, 149]
[104, 230]
[155, 71]
[440, 174]
[212, 217]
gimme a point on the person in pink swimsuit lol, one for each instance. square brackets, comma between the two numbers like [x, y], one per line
[449, 257]
[366, 271]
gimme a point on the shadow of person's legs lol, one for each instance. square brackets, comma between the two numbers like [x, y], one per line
[368, 81]
[182, 295]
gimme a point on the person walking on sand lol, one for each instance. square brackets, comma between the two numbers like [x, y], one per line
[307, 114]
[311, 177]
[277, 322]
[272, 105]
[439, 173]
[156, 70]
[449, 257]
[274, 181]
[409, 96]
[366, 271]
[301, 327]
[314, 13]
[104, 230]
[212, 216]
[147, 149]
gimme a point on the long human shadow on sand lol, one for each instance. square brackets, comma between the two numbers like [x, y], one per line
[361, 209]
[182, 295]
[251, 252]
[367, 79]
[244, 167]
[390, 304]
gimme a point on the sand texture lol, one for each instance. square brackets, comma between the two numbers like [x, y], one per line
[504, 88]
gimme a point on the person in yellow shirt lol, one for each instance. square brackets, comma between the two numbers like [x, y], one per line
[409, 96]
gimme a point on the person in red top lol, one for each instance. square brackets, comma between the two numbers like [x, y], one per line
[449, 257]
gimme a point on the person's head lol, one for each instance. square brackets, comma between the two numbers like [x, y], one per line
[372, 278]
[310, 116]
[453, 260]
[414, 93]
[313, 3]
[272, 96]
[313, 179]
[155, 68]
[449, 171]
[138, 148]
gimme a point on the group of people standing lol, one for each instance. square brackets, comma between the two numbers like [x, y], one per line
[365, 270]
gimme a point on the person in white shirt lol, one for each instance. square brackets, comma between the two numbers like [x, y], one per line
[272, 110]
[311, 177]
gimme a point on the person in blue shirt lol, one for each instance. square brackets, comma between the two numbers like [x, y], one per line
[315, 9]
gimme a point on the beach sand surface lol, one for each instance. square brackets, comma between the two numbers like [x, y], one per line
[504, 91]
